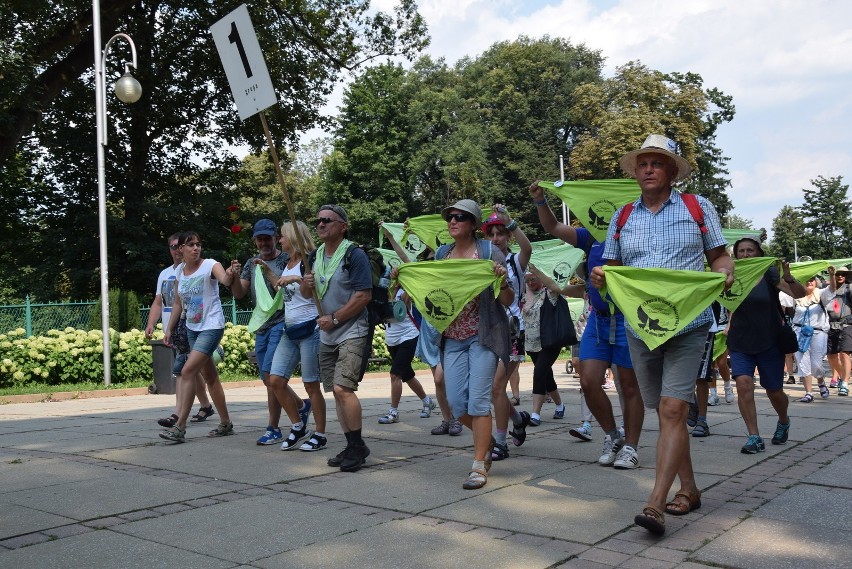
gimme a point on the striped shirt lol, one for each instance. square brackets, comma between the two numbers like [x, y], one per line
[668, 239]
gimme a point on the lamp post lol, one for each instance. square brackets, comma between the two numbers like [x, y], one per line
[128, 90]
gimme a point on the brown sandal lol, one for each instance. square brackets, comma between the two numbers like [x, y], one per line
[683, 503]
[652, 520]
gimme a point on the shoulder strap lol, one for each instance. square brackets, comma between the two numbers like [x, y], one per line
[622, 220]
[695, 210]
[483, 246]
[347, 258]
[510, 260]
[442, 252]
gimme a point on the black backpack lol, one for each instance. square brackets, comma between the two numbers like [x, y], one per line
[379, 309]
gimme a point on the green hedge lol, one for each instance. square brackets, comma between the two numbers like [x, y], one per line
[76, 356]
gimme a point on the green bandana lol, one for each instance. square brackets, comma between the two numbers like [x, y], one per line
[805, 270]
[441, 289]
[412, 244]
[390, 257]
[595, 201]
[558, 262]
[324, 270]
[734, 235]
[659, 303]
[720, 344]
[747, 273]
[265, 305]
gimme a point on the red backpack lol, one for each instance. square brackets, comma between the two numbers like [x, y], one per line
[689, 200]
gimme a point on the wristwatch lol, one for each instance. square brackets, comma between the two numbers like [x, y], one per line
[334, 320]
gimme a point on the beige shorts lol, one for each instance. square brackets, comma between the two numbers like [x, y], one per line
[343, 364]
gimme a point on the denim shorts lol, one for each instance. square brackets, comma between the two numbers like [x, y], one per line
[668, 370]
[595, 343]
[291, 352]
[769, 364]
[205, 341]
[468, 375]
[264, 347]
[180, 360]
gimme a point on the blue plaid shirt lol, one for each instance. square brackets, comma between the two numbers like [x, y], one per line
[667, 239]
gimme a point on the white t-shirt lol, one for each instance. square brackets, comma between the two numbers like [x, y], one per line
[297, 308]
[199, 294]
[166, 289]
[399, 332]
[515, 277]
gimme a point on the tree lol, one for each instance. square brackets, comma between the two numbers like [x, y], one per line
[787, 230]
[735, 221]
[185, 118]
[826, 219]
[617, 114]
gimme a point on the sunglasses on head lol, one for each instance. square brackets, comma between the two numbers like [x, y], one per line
[325, 220]
[459, 217]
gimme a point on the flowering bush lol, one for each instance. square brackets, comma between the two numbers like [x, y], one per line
[76, 356]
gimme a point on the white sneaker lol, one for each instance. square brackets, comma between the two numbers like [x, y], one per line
[389, 418]
[627, 458]
[729, 393]
[713, 400]
[610, 451]
[427, 409]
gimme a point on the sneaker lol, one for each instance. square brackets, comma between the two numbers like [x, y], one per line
[610, 450]
[354, 457]
[428, 408]
[729, 394]
[692, 416]
[305, 411]
[455, 428]
[535, 421]
[442, 429]
[609, 384]
[559, 414]
[713, 400]
[833, 384]
[222, 430]
[823, 391]
[294, 437]
[701, 429]
[175, 434]
[781, 433]
[627, 458]
[753, 445]
[316, 442]
[519, 434]
[584, 432]
[842, 390]
[271, 436]
[389, 418]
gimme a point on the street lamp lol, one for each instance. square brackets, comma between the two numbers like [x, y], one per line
[128, 90]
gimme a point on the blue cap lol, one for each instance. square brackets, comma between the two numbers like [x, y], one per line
[265, 227]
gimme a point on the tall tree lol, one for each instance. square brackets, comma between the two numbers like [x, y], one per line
[826, 216]
[787, 229]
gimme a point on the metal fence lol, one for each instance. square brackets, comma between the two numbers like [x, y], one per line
[38, 318]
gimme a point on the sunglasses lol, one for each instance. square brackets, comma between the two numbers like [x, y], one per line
[459, 217]
[174, 247]
[325, 220]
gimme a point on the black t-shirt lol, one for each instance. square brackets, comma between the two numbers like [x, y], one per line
[756, 322]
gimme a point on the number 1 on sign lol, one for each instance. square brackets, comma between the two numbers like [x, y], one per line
[234, 37]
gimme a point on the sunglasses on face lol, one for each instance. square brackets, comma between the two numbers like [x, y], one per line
[325, 220]
[174, 247]
[459, 217]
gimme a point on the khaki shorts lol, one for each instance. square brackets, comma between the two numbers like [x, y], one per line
[343, 364]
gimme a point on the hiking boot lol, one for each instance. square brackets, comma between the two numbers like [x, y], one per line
[753, 445]
[271, 436]
[610, 450]
[354, 457]
[781, 433]
[294, 437]
[519, 434]
[442, 429]
[175, 434]
[627, 458]
[583, 432]
[337, 459]
[428, 407]
[222, 430]
[455, 428]
[389, 418]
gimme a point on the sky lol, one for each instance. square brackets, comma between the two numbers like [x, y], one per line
[787, 64]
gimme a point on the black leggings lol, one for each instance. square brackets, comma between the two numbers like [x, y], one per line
[543, 361]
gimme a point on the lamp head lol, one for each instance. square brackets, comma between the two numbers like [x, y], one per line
[127, 88]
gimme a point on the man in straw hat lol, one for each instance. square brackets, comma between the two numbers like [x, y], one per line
[660, 232]
[836, 298]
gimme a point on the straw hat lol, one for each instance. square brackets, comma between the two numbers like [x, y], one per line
[658, 144]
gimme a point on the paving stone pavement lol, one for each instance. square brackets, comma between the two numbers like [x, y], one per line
[88, 483]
